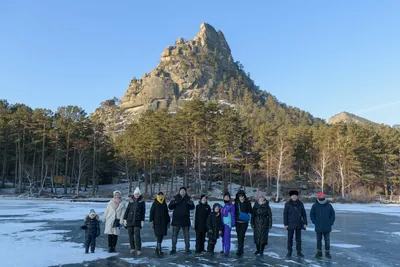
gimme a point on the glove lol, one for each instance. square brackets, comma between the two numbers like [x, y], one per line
[125, 223]
[100, 221]
[142, 223]
[120, 226]
[84, 227]
[152, 224]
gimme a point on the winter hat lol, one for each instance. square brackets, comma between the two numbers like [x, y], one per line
[92, 212]
[321, 195]
[160, 193]
[293, 192]
[137, 191]
[184, 188]
[117, 192]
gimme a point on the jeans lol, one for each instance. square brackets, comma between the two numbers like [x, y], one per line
[175, 233]
[326, 238]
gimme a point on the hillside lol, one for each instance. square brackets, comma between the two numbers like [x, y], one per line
[347, 117]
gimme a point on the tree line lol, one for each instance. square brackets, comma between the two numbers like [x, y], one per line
[252, 144]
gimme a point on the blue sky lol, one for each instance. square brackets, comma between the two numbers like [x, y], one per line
[321, 56]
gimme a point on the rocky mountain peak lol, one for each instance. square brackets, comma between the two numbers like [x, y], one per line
[202, 68]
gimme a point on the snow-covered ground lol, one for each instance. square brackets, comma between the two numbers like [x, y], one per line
[44, 233]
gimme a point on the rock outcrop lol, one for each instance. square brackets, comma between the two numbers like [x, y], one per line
[202, 68]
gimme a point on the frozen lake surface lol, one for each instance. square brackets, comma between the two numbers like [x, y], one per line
[45, 233]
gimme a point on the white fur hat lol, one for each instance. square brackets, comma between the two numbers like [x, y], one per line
[137, 191]
[117, 191]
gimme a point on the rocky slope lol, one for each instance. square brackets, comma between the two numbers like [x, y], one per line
[347, 117]
[202, 68]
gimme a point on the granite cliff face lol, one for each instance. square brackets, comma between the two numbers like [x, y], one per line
[346, 117]
[202, 68]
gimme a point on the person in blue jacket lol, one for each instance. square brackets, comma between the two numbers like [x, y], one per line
[322, 216]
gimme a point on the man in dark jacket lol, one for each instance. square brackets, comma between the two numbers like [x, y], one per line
[182, 204]
[92, 231]
[134, 217]
[200, 222]
[214, 227]
[243, 210]
[322, 216]
[294, 220]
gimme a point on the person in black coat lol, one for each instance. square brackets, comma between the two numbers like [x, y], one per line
[242, 205]
[322, 216]
[182, 204]
[214, 227]
[200, 222]
[261, 222]
[92, 231]
[134, 217]
[294, 220]
[159, 221]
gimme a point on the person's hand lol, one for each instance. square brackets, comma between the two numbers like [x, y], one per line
[100, 221]
[220, 233]
[152, 224]
[125, 223]
[120, 225]
[142, 223]
[83, 227]
[305, 226]
[286, 227]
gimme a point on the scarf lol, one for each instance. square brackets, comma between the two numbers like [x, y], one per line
[160, 199]
[321, 200]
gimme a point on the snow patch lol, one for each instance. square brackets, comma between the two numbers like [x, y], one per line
[345, 246]
[272, 255]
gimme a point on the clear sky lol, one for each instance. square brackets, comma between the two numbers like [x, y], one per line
[321, 56]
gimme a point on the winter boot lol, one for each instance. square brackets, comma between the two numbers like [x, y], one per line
[262, 250]
[110, 243]
[158, 251]
[258, 249]
[318, 254]
[132, 251]
[138, 253]
[172, 252]
[299, 254]
[289, 254]
[327, 254]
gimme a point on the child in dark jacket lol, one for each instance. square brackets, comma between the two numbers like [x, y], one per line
[214, 227]
[200, 223]
[92, 231]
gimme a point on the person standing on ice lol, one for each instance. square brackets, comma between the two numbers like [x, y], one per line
[112, 219]
[322, 216]
[134, 217]
[261, 222]
[200, 223]
[159, 221]
[294, 220]
[243, 212]
[92, 231]
[214, 228]
[182, 204]
[228, 215]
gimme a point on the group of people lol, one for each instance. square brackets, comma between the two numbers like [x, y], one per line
[211, 223]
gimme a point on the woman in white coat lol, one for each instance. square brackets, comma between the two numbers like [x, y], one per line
[112, 219]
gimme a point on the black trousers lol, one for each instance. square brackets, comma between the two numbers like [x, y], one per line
[241, 229]
[175, 233]
[290, 240]
[112, 241]
[200, 239]
[90, 241]
[327, 239]
[160, 238]
[135, 240]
